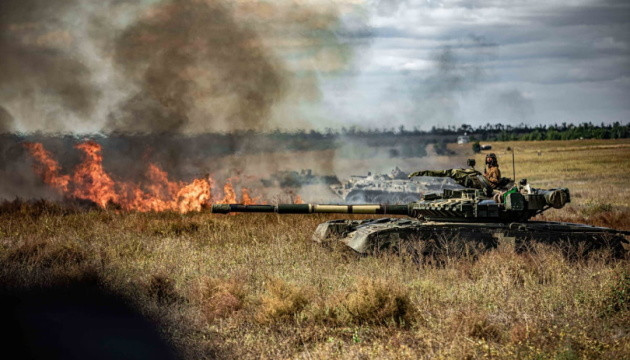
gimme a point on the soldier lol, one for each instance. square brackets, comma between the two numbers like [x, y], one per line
[492, 172]
[488, 181]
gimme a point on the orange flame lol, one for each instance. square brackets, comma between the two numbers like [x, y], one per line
[229, 196]
[247, 199]
[90, 181]
[47, 167]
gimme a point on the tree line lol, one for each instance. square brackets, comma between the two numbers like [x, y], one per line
[488, 132]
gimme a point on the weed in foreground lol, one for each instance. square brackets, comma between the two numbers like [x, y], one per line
[281, 302]
[220, 298]
[618, 298]
[376, 302]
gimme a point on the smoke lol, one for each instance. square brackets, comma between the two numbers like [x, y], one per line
[170, 66]
[457, 72]
[6, 121]
[511, 107]
[193, 63]
[170, 72]
[40, 77]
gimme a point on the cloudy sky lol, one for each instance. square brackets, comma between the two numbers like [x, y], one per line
[219, 65]
[432, 62]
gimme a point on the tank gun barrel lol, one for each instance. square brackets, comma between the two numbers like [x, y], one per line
[312, 209]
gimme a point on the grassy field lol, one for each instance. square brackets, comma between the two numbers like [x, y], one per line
[257, 287]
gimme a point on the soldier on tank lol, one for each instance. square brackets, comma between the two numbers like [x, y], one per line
[488, 181]
[492, 172]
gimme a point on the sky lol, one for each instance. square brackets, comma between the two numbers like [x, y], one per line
[436, 63]
[194, 66]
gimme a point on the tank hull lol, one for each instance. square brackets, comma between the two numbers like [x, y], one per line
[424, 237]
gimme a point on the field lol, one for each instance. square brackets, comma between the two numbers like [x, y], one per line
[257, 287]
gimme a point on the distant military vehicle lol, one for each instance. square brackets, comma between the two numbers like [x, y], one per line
[474, 215]
[295, 179]
[393, 188]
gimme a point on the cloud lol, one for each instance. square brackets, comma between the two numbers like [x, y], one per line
[533, 48]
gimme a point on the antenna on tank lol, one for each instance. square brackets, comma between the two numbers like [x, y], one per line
[513, 166]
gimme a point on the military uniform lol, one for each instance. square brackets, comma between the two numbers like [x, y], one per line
[493, 175]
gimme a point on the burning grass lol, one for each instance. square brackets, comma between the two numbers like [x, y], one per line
[90, 182]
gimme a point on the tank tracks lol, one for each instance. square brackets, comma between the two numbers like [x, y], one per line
[425, 237]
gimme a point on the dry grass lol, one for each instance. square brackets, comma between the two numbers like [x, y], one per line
[258, 287]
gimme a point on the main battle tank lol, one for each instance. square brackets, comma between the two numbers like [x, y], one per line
[393, 188]
[475, 215]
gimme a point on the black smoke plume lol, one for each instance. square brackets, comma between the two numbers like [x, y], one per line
[192, 61]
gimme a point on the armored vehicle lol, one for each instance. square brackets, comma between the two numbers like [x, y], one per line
[474, 215]
[295, 179]
[393, 188]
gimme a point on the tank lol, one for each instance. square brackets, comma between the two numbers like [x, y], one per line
[393, 188]
[474, 216]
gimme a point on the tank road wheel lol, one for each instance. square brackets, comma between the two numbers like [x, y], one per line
[401, 244]
[445, 245]
[423, 243]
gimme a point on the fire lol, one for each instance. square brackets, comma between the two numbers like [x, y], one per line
[247, 199]
[47, 167]
[157, 193]
[90, 179]
[230, 194]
